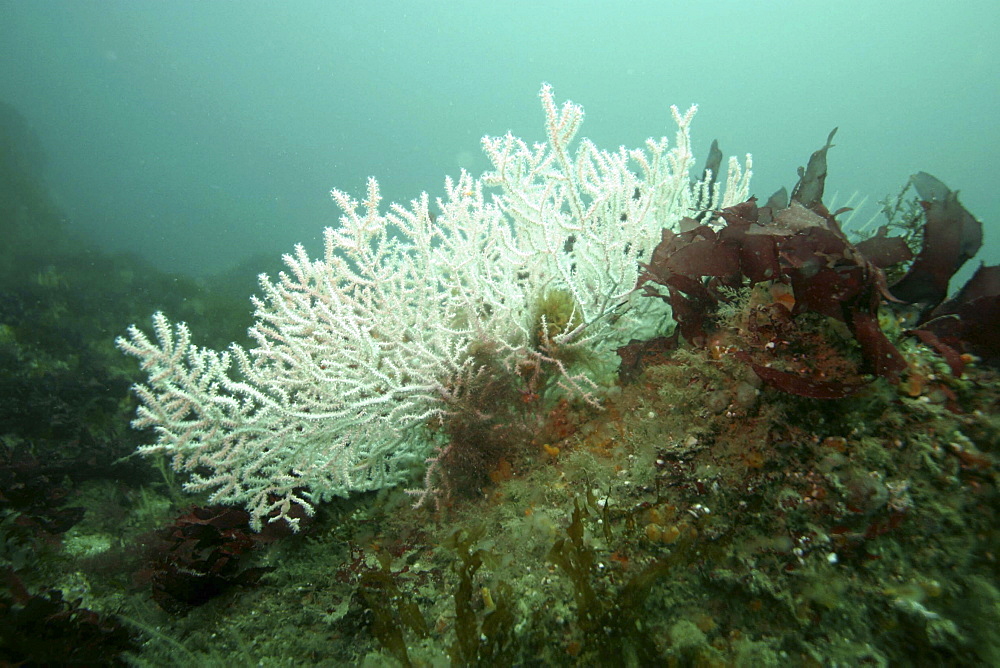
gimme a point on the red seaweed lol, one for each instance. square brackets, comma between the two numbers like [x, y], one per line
[800, 244]
[951, 237]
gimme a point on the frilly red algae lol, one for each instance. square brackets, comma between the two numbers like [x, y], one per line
[794, 246]
[952, 236]
[801, 245]
[971, 319]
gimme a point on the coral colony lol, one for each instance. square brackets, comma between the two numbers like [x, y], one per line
[418, 332]
[529, 270]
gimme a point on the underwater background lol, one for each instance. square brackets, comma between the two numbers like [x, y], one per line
[199, 133]
[159, 155]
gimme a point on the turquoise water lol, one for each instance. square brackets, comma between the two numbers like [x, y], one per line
[200, 133]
